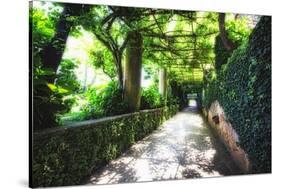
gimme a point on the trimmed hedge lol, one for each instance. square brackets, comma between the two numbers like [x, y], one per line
[243, 88]
[68, 155]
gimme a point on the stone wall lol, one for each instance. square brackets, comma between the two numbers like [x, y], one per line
[218, 121]
[68, 155]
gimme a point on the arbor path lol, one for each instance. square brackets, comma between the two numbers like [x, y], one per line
[183, 147]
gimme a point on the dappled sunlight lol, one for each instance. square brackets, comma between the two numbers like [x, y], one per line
[183, 147]
[46, 6]
[109, 82]
[145, 80]
[80, 49]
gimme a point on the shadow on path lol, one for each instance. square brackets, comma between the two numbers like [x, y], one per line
[183, 147]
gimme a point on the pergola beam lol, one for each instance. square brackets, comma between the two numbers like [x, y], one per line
[177, 50]
[166, 42]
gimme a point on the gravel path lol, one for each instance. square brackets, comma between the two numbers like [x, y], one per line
[183, 147]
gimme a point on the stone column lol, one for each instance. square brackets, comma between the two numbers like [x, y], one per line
[132, 76]
[163, 82]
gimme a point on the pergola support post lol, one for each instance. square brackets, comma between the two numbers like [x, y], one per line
[163, 83]
[132, 76]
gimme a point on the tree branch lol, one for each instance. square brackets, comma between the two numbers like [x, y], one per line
[228, 44]
[124, 44]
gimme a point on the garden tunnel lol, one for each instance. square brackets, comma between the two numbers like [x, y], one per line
[174, 43]
[188, 57]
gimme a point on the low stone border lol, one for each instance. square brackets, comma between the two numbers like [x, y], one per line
[67, 155]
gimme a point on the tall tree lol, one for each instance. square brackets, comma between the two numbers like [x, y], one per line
[52, 53]
[228, 43]
[117, 51]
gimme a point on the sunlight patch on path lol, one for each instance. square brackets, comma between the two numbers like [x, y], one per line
[183, 147]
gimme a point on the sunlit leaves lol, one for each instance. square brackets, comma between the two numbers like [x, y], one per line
[102, 58]
[238, 29]
[42, 20]
[57, 89]
[66, 77]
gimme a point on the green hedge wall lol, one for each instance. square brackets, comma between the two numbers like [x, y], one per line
[243, 88]
[222, 54]
[68, 155]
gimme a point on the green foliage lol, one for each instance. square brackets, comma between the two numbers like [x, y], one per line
[243, 88]
[42, 26]
[73, 116]
[112, 102]
[102, 58]
[67, 80]
[151, 98]
[238, 29]
[178, 92]
[47, 99]
[67, 156]
[107, 101]
[172, 100]
[192, 87]
[66, 77]
[210, 93]
[238, 32]
[51, 100]
[222, 54]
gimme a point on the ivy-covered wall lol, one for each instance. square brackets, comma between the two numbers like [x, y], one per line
[68, 155]
[243, 88]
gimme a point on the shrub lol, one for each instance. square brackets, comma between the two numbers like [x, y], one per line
[151, 98]
[177, 91]
[172, 100]
[66, 77]
[112, 102]
[47, 99]
[106, 101]
[92, 106]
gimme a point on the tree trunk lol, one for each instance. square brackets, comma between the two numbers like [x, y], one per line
[228, 44]
[52, 53]
[118, 63]
[132, 86]
[163, 84]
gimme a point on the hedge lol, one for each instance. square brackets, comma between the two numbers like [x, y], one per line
[243, 88]
[68, 155]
